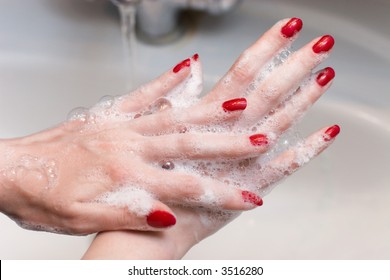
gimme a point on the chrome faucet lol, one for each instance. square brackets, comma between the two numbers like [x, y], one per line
[157, 20]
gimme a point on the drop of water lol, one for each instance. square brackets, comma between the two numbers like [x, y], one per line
[183, 129]
[161, 104]
[168, 165]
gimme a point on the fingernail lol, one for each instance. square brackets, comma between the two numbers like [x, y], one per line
[252, 198]
[292, 27]
[160, 219]
[331, 132]
[258, 139]
[234, 104]
[325, 76]
[195, 57]
[181, 65]
[324, 44]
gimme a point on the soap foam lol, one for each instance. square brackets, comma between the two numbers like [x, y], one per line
[136, 199]
[43, 169]
[247, 174]
[254, 174]
[40, 227]
[188, 92]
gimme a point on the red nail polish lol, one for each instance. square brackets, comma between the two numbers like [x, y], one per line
[331, 132]
[292, 27]
[324, 44]
[195, 57]
[252, 198]
[160, 219]
[258, 139]
[181, 65]
[325, 76]
[234, 104]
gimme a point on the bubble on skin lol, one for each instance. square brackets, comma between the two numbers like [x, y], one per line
[232, 172]
[40, 227]
[243, 173]
[215, 219]
[106, 101]
[44, 170]
[136, 199]
[160, 104]
[79, 113]
[109, 108]
[209, 198]
[188, 92]
[168, 165]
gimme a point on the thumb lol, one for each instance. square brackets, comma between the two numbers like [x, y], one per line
[104, 217]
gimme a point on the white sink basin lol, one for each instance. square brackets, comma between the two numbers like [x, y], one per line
[56, 55]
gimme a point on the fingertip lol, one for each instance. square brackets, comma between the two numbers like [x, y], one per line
[195, 57]
[325, 76]
[160, 219]
[237, 104]
[185, 64]
[242, 200]
[251, 198]
[323, 44]
[331, 132]
[291, 27]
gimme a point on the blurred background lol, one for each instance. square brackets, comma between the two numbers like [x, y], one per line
[57, 55]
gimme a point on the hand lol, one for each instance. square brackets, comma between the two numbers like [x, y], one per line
[103, 169]
[273, 102]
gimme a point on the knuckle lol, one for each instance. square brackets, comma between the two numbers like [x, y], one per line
[187, 145]
[191, 187]
[241, 70]
[123, 218]
[240, 74]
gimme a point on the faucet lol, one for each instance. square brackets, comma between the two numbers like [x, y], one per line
[158, 20]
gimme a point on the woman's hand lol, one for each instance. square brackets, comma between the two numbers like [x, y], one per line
[273, 101]
[105, 168]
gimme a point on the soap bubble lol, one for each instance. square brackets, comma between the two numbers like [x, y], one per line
[160, 104]
[167, 164]
[79, 113]
[106, 101]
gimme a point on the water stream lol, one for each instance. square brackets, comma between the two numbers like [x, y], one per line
[127, 11]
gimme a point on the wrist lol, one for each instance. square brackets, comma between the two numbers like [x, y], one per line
[164, 245]
[6, 182]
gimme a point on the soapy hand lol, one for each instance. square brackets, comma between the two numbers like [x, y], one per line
[110, 167]
[262, 95]
[136, 161]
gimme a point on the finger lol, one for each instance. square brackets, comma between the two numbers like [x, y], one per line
[205, 146]
[286, 78]
[196, 117]
[183, 188]
[145, 95]
[294, 158]
[280, 120]
[252, 60]
[107, 216]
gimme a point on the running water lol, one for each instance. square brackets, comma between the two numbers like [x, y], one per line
[127, 11]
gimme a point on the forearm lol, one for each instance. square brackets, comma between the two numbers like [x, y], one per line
[136, 245]
[19, 170]
[6, 175]
[172, 243]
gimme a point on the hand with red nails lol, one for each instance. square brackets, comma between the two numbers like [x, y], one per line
[110, 167]
[227, 134]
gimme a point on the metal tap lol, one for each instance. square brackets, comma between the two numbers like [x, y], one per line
[157, 20]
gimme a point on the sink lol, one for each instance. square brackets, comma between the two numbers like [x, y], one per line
[56, 55]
